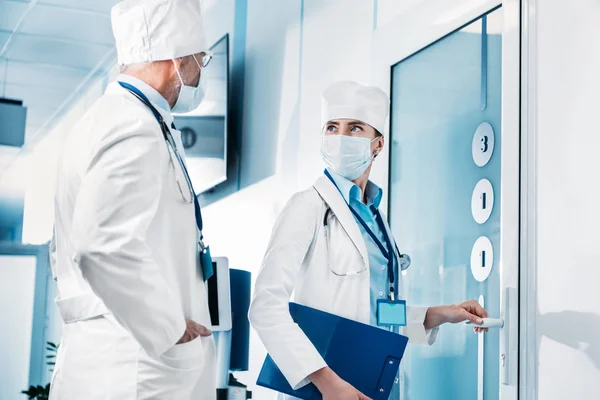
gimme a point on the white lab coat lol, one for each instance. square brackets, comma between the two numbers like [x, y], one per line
[126, 262]
[297, 262]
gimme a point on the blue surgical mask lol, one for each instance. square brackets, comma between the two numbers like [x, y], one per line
[349, 156]
[189, 97]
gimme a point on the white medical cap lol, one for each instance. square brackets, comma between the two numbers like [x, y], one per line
[351, 100]
[155, 30]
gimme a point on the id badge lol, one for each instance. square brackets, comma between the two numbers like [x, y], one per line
[206, 263]
[391, 312]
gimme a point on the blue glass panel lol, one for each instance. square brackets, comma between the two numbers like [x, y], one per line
[440, 96]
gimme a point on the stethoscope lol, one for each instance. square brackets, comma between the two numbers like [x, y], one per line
[403, 260]
[172, 150]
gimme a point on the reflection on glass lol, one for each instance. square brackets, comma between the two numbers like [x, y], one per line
[440, 96]
[204, 130]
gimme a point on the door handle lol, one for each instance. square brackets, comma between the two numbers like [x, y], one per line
[480, 356]
[488, 323]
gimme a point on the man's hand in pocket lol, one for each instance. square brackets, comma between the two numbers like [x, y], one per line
[192, 331]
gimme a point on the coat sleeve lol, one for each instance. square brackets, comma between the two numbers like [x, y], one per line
[269, 313]
[415, 330]
[117, 200]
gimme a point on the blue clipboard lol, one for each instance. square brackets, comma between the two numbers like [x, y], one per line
[365, 356]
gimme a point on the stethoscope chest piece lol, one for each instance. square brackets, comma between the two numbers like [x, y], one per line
[404, 261]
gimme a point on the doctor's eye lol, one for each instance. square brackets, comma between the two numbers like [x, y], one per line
[356, 128]
[331, 128]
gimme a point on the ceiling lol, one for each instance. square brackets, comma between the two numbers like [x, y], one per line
[48, 50]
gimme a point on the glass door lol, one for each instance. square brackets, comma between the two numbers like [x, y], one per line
[24, 309]
[445, 201]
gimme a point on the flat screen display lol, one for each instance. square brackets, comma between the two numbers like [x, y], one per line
[204, 131]
[213, 297]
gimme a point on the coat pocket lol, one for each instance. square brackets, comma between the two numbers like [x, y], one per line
[343, 258]
[178, 371]
[189, 355]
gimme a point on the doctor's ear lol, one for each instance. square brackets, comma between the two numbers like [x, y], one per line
[379, 144]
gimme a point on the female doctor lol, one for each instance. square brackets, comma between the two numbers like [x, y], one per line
[333, 249]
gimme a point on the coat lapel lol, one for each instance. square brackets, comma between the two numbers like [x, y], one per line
[330, 194]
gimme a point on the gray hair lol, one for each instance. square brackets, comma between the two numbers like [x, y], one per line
[123, 67]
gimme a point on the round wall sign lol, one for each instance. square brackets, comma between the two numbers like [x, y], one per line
[483, 144]
[482, 259]
[482, 201]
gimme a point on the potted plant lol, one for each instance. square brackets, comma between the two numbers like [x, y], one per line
[43, 392]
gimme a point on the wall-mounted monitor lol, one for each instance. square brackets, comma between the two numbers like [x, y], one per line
[12, 122]
[204, 131]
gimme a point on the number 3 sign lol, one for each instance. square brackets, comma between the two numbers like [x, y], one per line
[483, 144]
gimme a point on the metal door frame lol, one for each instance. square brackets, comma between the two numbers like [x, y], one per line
[37, 365]
[528, 350]
[412, 31]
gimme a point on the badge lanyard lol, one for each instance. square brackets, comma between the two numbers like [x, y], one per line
[205, 259]
[387, 253]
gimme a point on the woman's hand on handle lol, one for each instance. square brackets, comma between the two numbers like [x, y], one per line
[332, 387]
[467, 311]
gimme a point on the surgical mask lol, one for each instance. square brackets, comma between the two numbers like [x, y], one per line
[189, 97]
[349, 156]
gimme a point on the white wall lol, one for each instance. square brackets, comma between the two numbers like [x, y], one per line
[387, 10]
[40, 176]
[568, 83]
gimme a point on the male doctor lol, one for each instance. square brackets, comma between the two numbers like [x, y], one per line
[132, 292]
[333, 250]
